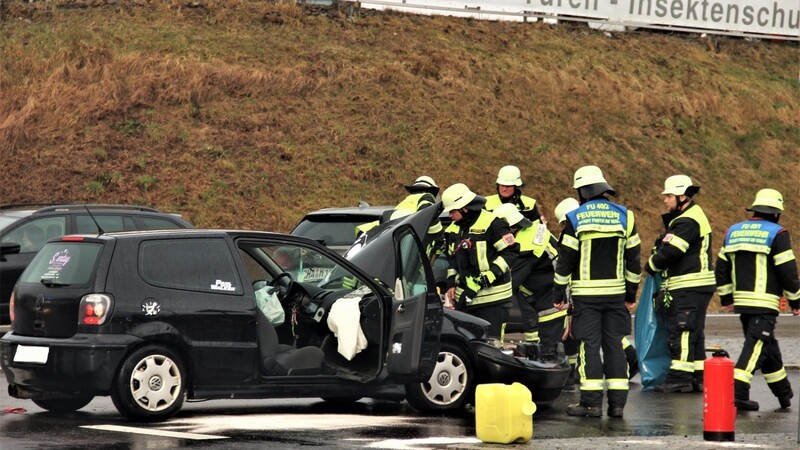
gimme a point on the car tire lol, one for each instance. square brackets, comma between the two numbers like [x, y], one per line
[65, 404]
[451, 385]
[150, 385]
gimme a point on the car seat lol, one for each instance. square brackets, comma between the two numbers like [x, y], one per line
[282, 359]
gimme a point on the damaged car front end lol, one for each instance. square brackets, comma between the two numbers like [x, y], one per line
[467, 356]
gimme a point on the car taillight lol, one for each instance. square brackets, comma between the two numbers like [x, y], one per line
[94, 309]
[11, 308]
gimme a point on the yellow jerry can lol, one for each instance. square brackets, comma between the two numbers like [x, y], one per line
[503, 413]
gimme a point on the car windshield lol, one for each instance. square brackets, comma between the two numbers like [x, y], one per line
[8, 219]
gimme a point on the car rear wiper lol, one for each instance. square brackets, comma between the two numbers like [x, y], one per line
[49, 282]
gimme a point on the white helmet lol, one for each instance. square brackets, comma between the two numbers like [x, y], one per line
[565, 207]
[590, 182]
[680, 185]
[511, 214]
[423, 183]
[509, 176]
[457, 196]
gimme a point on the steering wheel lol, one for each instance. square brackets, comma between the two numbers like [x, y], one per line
[283, 289]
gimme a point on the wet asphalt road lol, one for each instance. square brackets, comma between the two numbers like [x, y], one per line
[652, 420]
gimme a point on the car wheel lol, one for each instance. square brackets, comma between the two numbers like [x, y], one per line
[150, 385]
[65, 404]
[451, 385]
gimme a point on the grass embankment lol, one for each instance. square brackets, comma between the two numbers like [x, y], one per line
[246, 114]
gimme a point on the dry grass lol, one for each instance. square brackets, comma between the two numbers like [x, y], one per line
[248, 114]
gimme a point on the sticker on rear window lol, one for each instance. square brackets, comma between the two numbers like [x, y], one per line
[56, 264]
[222, 286]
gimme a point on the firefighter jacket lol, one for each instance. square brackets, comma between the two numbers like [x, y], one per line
[599, 253]
[480, 250]
[415, 202]
[411, 203]
[756, 265]
[537, 250]
[684, 253]
[526, 205]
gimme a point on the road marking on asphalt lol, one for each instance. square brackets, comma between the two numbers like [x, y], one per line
[174, 434]
[281, 422]
[419, 444]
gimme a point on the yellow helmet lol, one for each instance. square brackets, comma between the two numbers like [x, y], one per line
[511, 214]
[565, 207]
[590, 182]
[680, 185]
[509, 176]
[768, 201]
[457, 196]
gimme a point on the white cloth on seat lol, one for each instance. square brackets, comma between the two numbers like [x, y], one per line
[344, 320]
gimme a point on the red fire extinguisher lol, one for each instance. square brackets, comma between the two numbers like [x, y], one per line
[719, 410]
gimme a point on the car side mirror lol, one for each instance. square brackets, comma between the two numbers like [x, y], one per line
[8, 248]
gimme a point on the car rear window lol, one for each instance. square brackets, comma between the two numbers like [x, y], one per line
[67, 263]
[331, 230]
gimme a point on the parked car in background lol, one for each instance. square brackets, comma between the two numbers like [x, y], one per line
[30, 227]
[335, 228]
[153, 318]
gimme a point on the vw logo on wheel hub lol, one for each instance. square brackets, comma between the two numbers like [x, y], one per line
[155, 383]
[443, 378]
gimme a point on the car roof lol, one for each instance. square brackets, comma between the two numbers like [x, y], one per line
[20, 211]
[361, 210]
[199, 232]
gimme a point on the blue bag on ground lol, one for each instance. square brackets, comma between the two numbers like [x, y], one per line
[651, 337]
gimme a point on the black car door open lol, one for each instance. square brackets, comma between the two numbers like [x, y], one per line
[416, 312]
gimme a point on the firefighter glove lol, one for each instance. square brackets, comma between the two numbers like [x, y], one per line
[465, 299]
[487, 278]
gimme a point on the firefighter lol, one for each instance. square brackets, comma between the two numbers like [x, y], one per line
[481, 250]
[756, 265]
[598, 259]
[683, 256]
[532, 279]
[509, 190]
[421, 194]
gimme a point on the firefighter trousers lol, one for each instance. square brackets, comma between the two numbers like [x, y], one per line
[686, 322]
[600, 324]
[496, 313]
[760, 352]
[534, 298]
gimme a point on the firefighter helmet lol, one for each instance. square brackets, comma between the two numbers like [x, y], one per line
[509, 176]
[589, 182]
[457, 196]
[680, 185]
[565, 207]
[768, 201]
[423, 183]
[511, 214]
